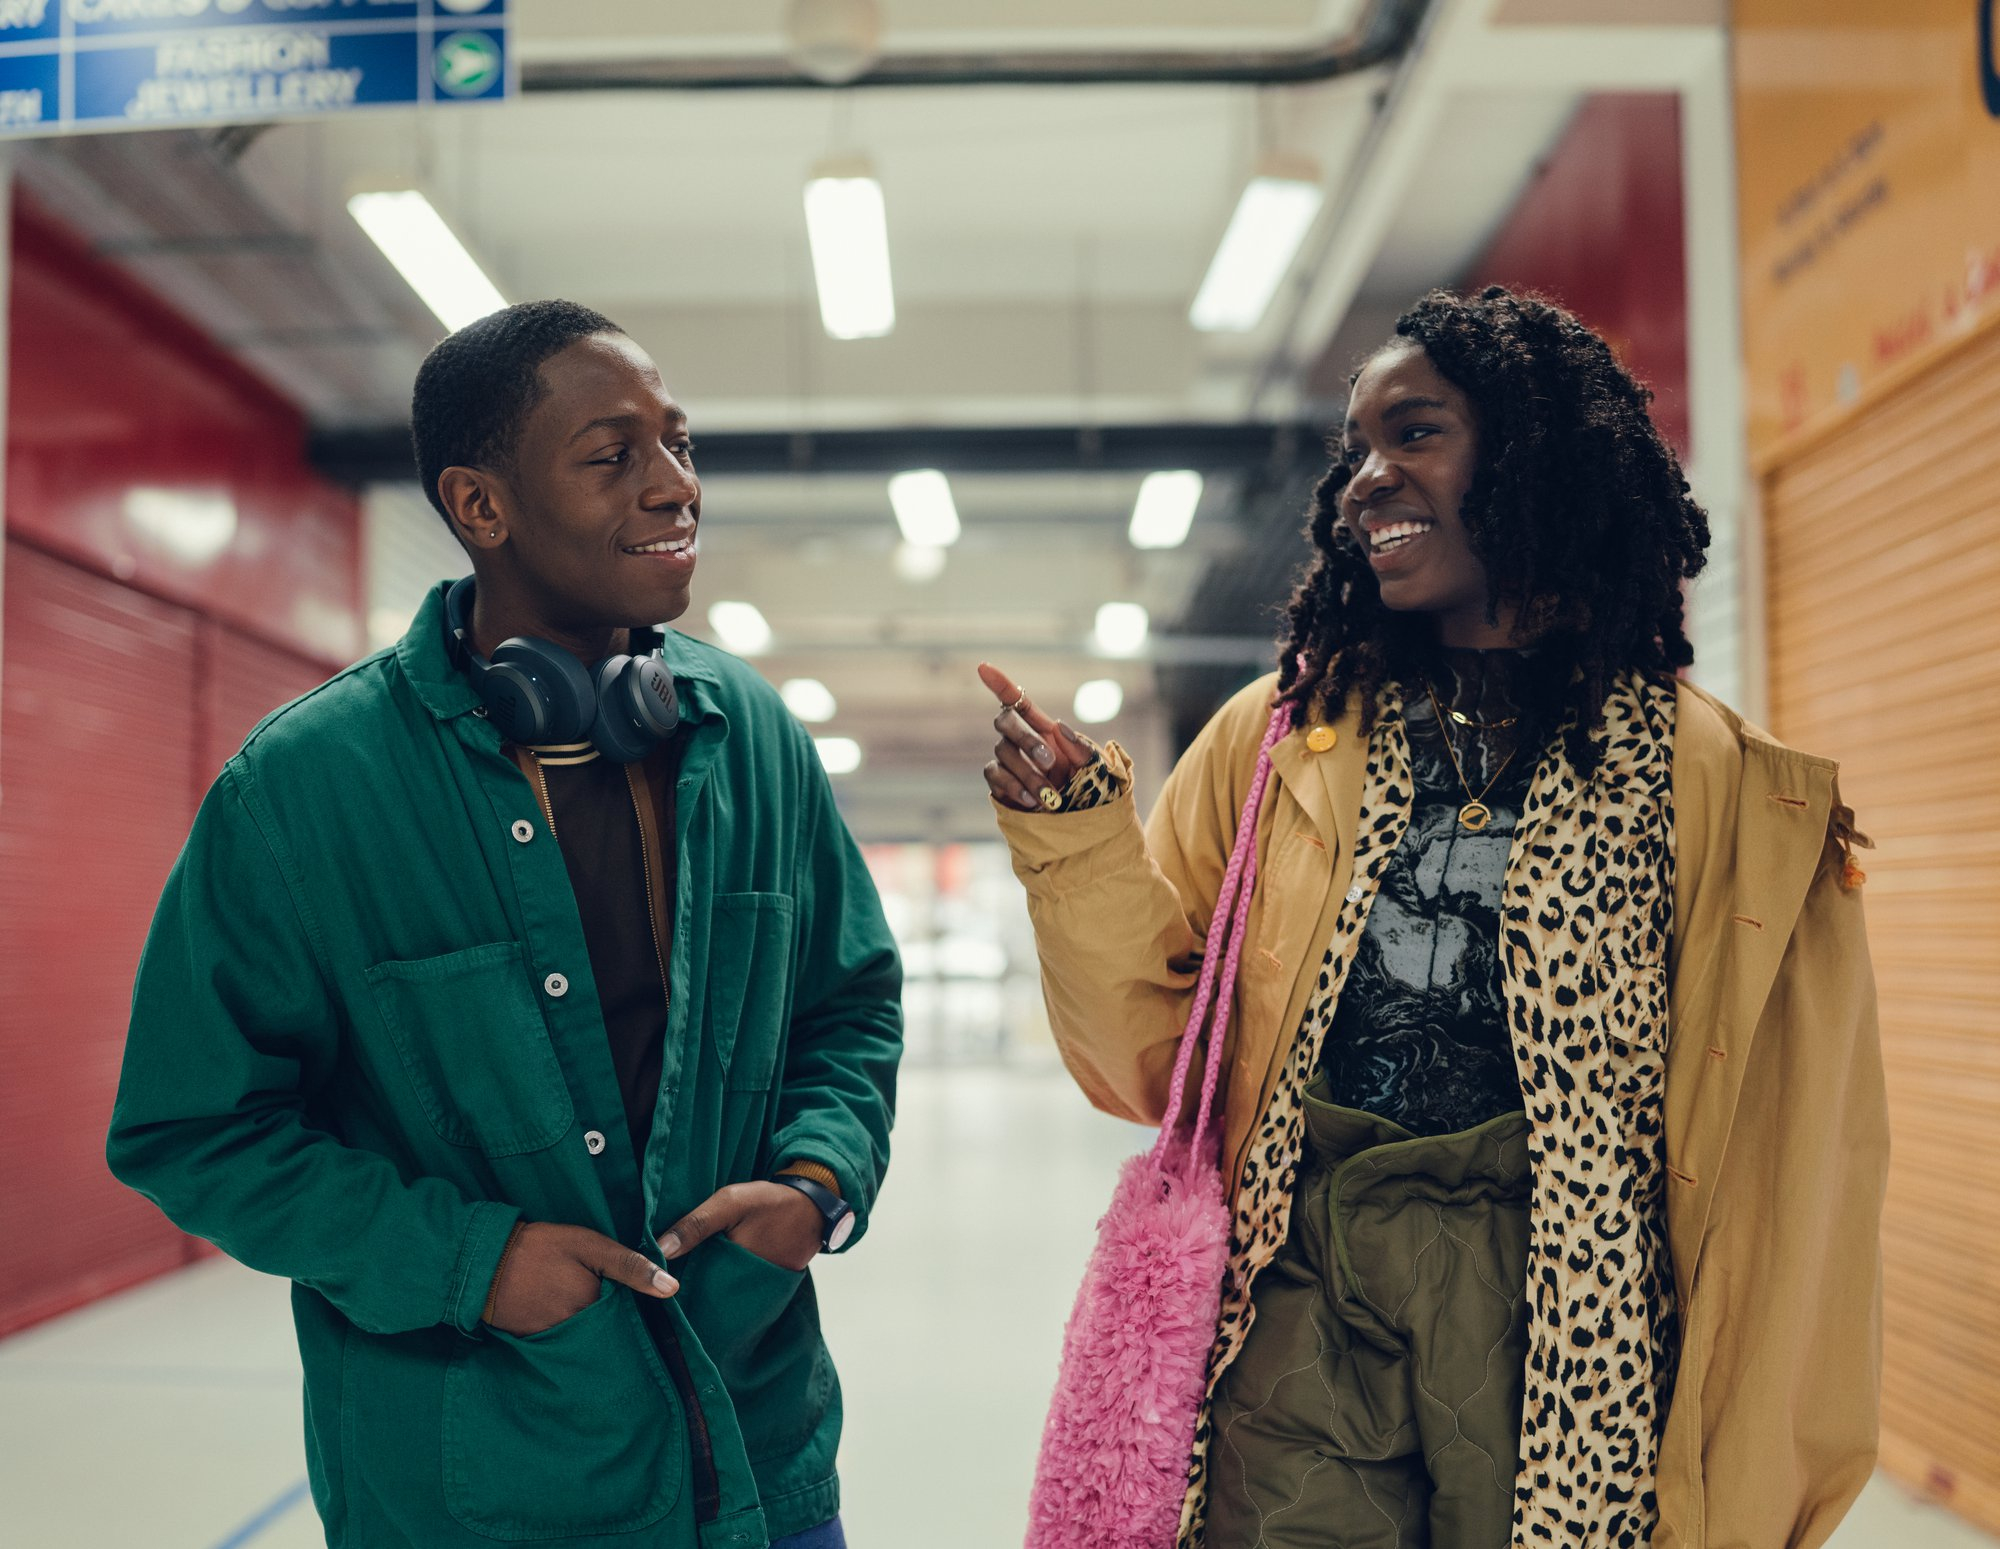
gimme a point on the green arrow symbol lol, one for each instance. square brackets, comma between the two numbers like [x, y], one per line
[466, 63]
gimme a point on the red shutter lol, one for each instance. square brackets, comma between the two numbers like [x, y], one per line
[97, 751]
[242, 681]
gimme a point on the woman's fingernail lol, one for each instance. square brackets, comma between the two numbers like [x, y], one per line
[1042, 754]
[670, 1245]
[664, 1282]
[1027, 801]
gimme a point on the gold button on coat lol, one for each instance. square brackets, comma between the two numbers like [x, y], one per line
[1320, 738]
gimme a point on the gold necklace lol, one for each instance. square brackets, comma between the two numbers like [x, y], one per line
[1475, 814]
[1465, 720]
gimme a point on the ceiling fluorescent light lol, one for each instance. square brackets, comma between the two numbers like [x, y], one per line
[971, 957]
[840, 755]
[414, 238]
[919, 563]
[1122, 629]
[387, 625]
[740, 627]
[849, 233]
[195, 526]
[924, 508]
[1164, 511]
[1271, 220]
[1099, 701]
[808, 699]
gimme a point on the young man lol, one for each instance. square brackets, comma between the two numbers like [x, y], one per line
[505, 970]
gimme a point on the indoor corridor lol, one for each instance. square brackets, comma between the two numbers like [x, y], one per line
[945, 1323]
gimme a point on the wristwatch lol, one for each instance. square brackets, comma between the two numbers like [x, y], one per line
[835, 1212]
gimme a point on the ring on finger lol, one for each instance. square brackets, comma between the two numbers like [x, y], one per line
[1019, 701]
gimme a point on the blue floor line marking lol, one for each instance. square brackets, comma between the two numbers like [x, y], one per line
[266, 1517]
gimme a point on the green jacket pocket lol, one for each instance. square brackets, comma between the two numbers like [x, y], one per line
[749, 994]
[759, 1323]
[568, 1433]
[475, 1048]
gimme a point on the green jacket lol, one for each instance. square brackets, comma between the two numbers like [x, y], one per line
[354, 1062]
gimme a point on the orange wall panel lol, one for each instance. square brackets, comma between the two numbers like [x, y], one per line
[1868, 198]
[1884, 563]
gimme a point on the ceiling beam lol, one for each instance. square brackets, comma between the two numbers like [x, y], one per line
[1582, 58]
[1328, 273]
[1378, 36]
[381, 454]
[1460, 48]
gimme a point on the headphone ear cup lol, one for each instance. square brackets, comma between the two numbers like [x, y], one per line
[536, 692]
[637, 707]
[657, 701]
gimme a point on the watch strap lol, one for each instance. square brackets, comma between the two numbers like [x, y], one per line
[832, 1208]
[818, 1172]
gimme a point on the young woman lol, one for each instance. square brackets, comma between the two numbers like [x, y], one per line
[1553, 1119]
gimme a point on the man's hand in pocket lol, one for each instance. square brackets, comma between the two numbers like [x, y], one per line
[552, 1272]
[778, 1224]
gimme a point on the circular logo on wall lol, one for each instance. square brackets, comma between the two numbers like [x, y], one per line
[466, 63]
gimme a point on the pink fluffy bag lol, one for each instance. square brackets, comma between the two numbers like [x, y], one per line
[1120, 1434]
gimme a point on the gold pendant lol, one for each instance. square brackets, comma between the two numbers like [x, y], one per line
[1474, 815]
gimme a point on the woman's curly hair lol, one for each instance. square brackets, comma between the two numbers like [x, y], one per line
[1577, 509]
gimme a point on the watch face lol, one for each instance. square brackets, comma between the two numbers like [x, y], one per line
[843, 1229]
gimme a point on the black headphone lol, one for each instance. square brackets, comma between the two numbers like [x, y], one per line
[537, 693]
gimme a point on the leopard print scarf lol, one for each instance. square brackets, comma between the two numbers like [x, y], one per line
[1585, 921]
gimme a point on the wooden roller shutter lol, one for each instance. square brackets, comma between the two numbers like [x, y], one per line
[1884, 566]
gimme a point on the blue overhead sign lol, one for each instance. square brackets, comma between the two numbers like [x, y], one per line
[147, 64]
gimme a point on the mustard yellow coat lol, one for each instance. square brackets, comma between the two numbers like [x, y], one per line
[1777, 1126]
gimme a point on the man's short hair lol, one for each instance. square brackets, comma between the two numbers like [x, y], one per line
[477, 386]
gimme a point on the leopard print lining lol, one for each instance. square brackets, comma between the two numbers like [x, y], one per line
[1586, 916]
[1103, 780]
[1584, 931]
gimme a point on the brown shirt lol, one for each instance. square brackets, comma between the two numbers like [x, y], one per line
[615, 826]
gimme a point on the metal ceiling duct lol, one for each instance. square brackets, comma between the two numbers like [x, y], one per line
[1382, 33]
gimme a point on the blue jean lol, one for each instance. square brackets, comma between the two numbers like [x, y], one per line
[826, 1536]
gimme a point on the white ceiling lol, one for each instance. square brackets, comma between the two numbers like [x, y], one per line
[1046, 244]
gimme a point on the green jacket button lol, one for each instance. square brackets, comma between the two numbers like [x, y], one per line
[556, 985]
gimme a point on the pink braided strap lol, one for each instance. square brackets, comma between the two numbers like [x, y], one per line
[1232, 914]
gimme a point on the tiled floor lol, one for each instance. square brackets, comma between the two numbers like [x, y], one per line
[169, 1418]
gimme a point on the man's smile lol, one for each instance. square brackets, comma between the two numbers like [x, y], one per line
[678, 549]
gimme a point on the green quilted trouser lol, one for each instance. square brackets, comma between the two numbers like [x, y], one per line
[1376, 1403]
